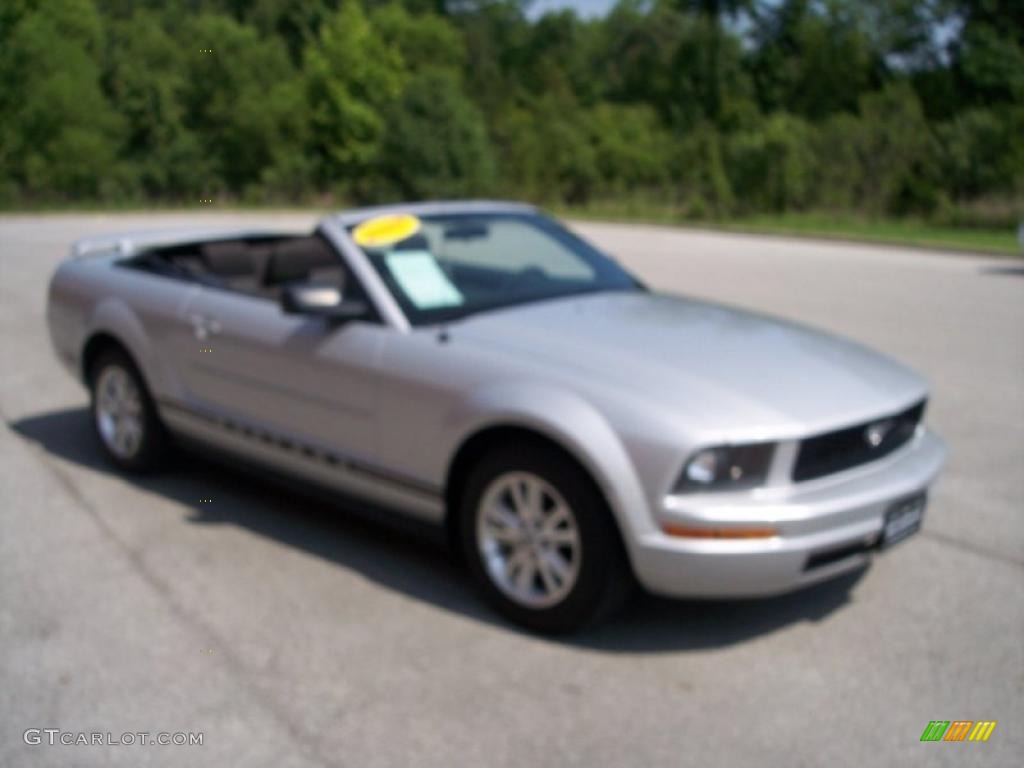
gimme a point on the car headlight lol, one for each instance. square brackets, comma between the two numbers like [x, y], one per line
[726, 468]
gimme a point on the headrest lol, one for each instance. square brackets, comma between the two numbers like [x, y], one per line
[227, 258]
[295, 259]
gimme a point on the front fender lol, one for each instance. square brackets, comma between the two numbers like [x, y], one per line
[114, 317]
[573, 423]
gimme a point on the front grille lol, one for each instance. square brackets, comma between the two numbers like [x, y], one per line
[845, 448]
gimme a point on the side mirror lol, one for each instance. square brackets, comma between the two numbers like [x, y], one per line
[321, 300]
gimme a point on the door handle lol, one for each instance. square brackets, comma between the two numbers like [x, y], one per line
[204, 327]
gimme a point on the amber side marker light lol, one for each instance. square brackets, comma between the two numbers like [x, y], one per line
[687, 532]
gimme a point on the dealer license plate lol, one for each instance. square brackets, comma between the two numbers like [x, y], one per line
[903, 519]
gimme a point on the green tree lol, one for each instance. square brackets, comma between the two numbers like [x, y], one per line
[424, 40]
[243, 98]
[713, 14]
[982, 153]
[296, 24]
[60, 135]
[695, 75]
[352, 75]
[893, 142]
[637, 49]
[813, 60]
[773, 164]
[495, 37]
[435, 143]
[991, 63]
[726, 106]
[700, 168]
[546, 152]
[838, 171]
[147, 79]
[631, 148]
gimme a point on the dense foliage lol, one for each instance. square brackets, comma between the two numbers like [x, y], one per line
[711, 107]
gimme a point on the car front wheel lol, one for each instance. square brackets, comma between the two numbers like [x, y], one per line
[123, 415]
[540, 540]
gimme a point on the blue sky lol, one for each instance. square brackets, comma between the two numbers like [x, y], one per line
[582, 7]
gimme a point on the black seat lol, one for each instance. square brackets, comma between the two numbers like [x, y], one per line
[238, 264]
[304, 258]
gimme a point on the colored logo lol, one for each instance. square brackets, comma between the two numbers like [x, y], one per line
[958, 730]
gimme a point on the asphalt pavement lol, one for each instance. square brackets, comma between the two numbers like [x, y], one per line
[291, 632]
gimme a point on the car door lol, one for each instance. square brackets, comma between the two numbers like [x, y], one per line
[295, 382]
[292, 377]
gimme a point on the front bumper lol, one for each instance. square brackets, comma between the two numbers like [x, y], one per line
[825, 527]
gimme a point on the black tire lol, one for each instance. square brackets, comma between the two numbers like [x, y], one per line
[604, 580]
[153, 444]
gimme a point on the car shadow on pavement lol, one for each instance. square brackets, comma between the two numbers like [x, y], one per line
[1014, 270]
[412, 559]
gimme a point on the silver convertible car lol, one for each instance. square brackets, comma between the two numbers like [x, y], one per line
[480, 367]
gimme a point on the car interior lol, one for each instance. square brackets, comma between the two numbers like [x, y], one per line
[488, 261]
[256, 266]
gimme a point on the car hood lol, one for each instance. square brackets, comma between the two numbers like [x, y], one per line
[724, 370]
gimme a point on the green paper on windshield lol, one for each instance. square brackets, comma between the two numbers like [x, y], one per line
[422, 279]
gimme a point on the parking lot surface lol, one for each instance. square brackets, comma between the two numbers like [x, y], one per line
[290, 632]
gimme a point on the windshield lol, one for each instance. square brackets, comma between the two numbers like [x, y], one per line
[444, 267]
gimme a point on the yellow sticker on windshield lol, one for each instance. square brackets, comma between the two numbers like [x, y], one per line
[382, 231]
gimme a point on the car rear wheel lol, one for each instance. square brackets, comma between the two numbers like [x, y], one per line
[123, 415]
[540, 540]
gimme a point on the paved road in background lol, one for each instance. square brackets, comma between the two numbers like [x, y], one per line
[293, 634]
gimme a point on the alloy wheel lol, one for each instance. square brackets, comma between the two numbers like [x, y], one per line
[119, 412]
[529, 539]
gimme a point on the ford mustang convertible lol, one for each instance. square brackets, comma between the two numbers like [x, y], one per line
[478, 366]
